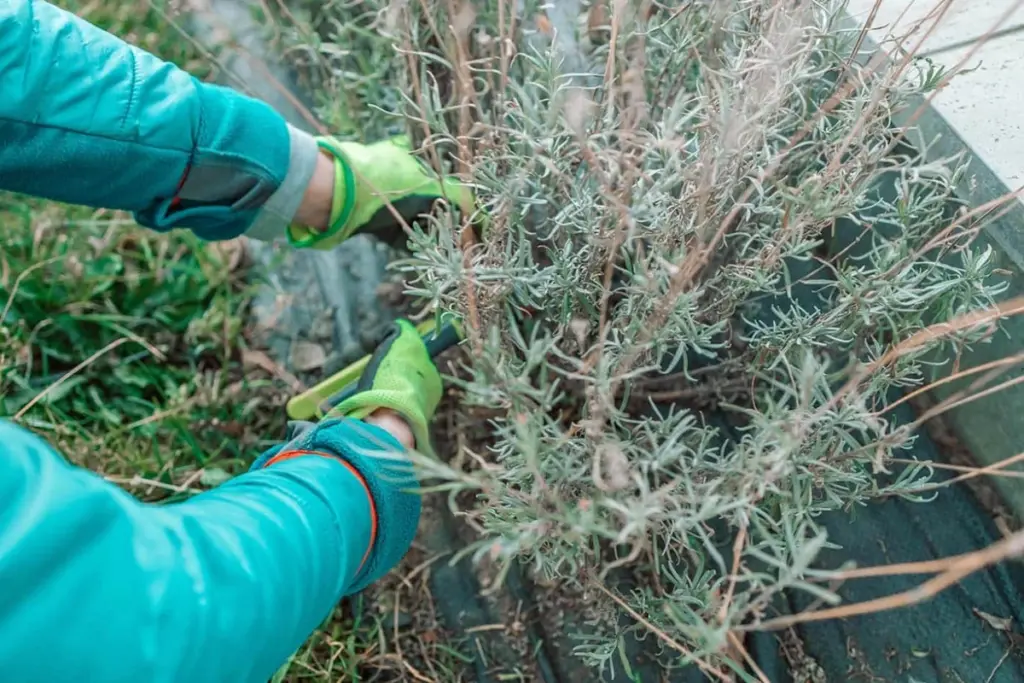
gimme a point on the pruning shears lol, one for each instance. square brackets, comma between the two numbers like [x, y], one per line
[318, 400]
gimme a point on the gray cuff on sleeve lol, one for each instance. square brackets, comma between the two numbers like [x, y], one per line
[279, 211]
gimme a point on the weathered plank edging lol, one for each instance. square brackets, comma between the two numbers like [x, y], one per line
[992, 428]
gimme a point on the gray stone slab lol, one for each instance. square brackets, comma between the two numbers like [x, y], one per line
[326, 298]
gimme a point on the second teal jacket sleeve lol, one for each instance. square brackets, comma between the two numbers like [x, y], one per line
[87, 119]
[221, 588]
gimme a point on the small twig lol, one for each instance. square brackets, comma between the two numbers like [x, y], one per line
[155, 417]
[136, 480]
[467, 241]
[667, 639]
[955, 401]
[482, 628]
[900, 569]
[192, 478]
[976, 45]
[688, 393]
[955, 468]
[880, 92]
[308, 33]
[506, 40]
[1011, 360]
[1007, 201]
[199, 47]
[398, 641]
[163, 470]
[963, 566]
[280, 87]
[261, 360]
[253, 59]
[864, 30]
[609, 67]
[737, 551]
[998, 664]
[990, 469]
[415, 672]
[737, 644]
[17, 283]
[81, 366]
[634, 553]
[921, 338]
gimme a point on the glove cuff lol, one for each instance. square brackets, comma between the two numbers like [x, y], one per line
[343, 202]
[279, 211]
[388, 474]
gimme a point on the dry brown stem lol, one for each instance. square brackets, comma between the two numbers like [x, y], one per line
[953, 570]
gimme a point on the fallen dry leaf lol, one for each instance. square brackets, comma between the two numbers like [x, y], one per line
[544, 25]
[259, 359]
[998, 623]
[232, 253]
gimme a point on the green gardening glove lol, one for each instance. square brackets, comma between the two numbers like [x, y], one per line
[366, 179]
[400, 376]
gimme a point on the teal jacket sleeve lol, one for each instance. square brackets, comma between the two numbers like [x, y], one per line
[221, 588]
[87, 119]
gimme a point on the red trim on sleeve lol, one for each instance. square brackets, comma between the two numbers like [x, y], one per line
[176, 200]
[289, 455]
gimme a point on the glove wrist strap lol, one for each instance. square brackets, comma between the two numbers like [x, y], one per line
[342, 203]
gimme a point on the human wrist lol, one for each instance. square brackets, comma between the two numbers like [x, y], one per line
[314, 211]
[280, 210]
[394, 424]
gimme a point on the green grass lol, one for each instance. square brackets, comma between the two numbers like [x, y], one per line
[120, 346]
[125, 349]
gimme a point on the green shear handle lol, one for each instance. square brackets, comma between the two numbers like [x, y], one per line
[318, 400]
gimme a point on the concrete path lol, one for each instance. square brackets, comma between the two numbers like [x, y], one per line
[984, 106]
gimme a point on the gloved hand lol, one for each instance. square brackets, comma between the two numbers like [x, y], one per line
[366, 179]
[400, 376]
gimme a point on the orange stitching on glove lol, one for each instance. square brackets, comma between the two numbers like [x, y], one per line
[289, 455]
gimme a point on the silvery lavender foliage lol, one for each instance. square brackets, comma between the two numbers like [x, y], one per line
[707, 246]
